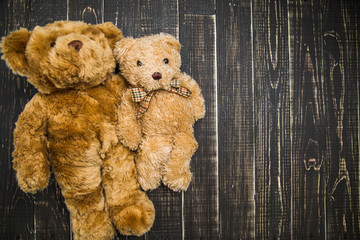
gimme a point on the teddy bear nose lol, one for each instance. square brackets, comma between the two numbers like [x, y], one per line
[76, 44]
[157, 76]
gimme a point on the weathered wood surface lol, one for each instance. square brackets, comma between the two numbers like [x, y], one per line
[272, 107]
[236, 121]
[278, 149]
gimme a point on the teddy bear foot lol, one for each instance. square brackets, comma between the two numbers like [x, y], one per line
[135, 220]
[177, 181]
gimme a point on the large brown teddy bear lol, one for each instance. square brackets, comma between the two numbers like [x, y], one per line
[70, 124]
[158, 111]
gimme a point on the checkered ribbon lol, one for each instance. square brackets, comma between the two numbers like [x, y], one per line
[139, 95]
[176, 88]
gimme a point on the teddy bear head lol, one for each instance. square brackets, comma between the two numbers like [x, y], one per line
[62, 55]
[149, 62]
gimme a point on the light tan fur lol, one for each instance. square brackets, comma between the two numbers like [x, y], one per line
[70, 124]
[164, 134]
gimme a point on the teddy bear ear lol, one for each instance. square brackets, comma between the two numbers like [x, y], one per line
[172, 41]
[122, 47]
[13, 47]
[111, 32]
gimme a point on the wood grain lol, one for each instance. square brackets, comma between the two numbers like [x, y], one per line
[125, 14]
[273, 165]
[308, 152]
[43, 11]
[341, 89]
[155, 20]
[204, 7]
[90, 11]
[236, 123]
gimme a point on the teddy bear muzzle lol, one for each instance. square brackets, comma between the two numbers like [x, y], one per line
[77, 44]
[157, 76]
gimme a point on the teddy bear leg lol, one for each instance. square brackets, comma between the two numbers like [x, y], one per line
[83, 193]
[176, 172]
[131, 210]
[91, 225]
[152, 154]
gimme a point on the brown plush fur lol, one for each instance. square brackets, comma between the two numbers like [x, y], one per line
[70, 124]
[164, 134]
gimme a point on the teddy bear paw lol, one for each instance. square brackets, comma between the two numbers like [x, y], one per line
[148, 184]
[177, 181]
[133, 145]
[135, 220]
[32, 184]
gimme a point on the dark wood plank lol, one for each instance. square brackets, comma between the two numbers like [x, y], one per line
[90, 11]
[308, 130]
[17, 209]
[200, 220]
[136, 19]
[341, 81]
[168, 216]
[236, 120]
[52, 220]
[273, 162]
[159, 16]
[198, 7]
[43, 12]
[125, 14]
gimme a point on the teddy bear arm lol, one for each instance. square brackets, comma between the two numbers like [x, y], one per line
[198, 106]
[196, 98]
[30, 147]
[128, 128]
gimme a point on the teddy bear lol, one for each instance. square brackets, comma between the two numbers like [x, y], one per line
[70, 125]
[158, 110]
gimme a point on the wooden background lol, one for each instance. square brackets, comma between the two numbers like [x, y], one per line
[279, 147]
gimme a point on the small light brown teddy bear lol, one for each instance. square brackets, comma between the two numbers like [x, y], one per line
[158, 110]
[70, 124]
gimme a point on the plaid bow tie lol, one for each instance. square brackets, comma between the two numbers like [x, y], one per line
[143, 98]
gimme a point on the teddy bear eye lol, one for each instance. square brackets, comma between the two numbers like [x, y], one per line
[166, 61]
[52, 44]
[139, 63]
